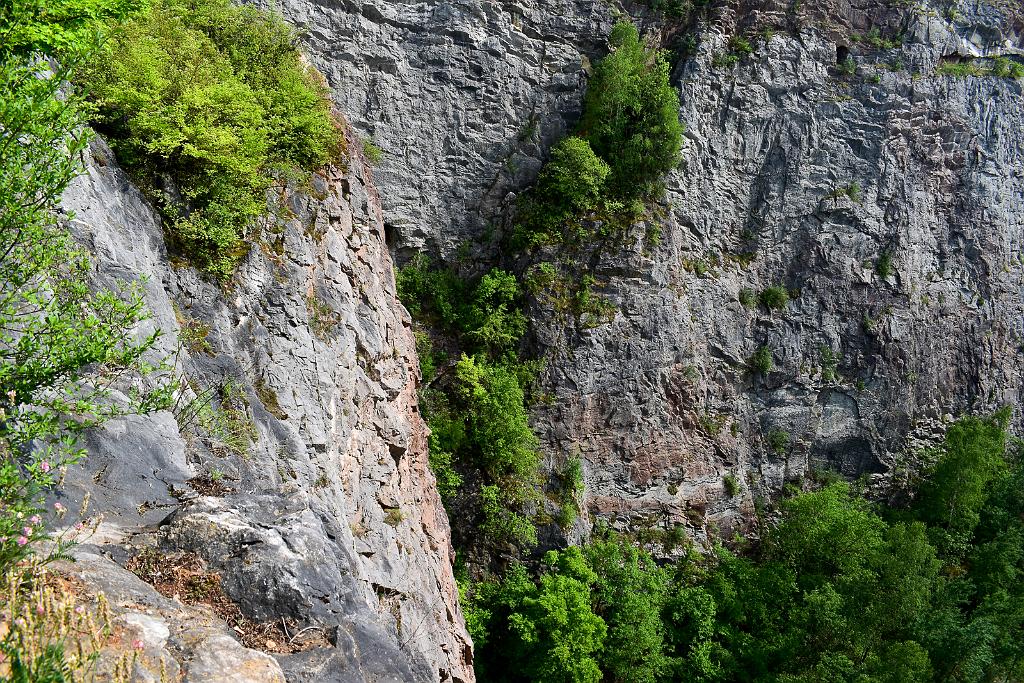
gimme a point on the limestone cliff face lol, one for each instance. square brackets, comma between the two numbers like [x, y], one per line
[813, 174]
[294, 465]
[796, 173]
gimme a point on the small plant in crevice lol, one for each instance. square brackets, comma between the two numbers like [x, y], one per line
[394, 516]
[829, 365]
[883, 266]
[761, 361]
[323, 319]
[748, 298]
[774, 298]
[571, 490]
[847, 67]
[851, 191]
[777, 441]
[731, 484]
[372, 152]
[193, 334]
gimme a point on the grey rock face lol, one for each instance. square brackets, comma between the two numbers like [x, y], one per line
[815, 175]
[298, 400]
[462, 97]
[168, 640]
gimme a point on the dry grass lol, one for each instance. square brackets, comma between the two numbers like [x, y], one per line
[184, 577]
[50, 624]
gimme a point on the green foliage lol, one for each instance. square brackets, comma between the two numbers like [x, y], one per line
[747, 298]
[71, 357]
[847, 67]
[64, 349]
[740, 46]
[59, 28]
[957, 487]
[571, 491]
[999, 67]
[547, 628]
[493, 399]
[884, 265]
[731, 484]
[631, 114]
[476, 407]
[203, 102]
[829, 365]
[372, 152]
[761, 361]
[778, 441]
[571, 184]
[774, 298]
[838, 590]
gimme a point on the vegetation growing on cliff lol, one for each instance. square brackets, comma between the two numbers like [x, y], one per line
[474, 399]
[627, 139]
[67, 352]
[205, 104]
[840, 589]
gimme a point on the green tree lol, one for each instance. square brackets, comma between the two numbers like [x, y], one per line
[204, 102]
[59, 28]
[71, 356]
[629, 594]
[631, 114]
[956, 488]
[548, 631]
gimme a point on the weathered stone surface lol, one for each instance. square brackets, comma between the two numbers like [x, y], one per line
[330, 515]
[166, 639]
[650, 399]
[768, 145]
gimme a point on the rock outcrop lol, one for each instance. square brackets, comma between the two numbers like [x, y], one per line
[294, 463]
[884, 196]
[794, 174]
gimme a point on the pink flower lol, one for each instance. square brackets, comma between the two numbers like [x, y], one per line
[138, 644]
[22, 540]
[79, 609]
[35, 519]
[27, 531]
[79, 526]
[40, 609]
[44, 466]
[58, 507]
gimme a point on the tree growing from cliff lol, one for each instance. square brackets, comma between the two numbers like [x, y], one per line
[205, 103]
[631, 114]
[71, 357]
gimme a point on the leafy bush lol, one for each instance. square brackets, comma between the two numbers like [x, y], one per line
[778, 441]
[203, 101]
[761, 361]
[838, 589]
[747, 298]
[372, 152]
[631, 114]
[571, 183]
[67, 29]
[731, 484]
[476, 407]
[64, 348]
[571, 492]
[884, 265]
[774, 298]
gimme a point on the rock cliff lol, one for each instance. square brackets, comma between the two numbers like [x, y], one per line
[882, 193]
[797, 172]
[292, 472]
